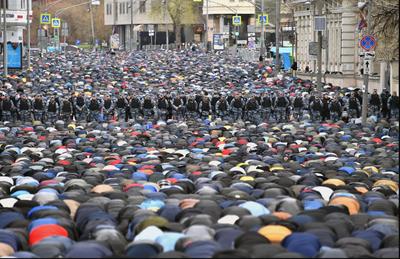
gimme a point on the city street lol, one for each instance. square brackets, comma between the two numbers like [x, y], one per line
[187, 129]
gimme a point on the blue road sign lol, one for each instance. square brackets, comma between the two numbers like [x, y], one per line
[263, 19]
[78, 42]
[237, 20]
[368, 42]
[56, 23]
[45, 18]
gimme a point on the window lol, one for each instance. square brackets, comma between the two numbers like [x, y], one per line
[109, 9]
[1, 5]
[142, 6]
[23, 4]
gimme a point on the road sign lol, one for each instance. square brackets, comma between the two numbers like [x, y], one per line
[368, 42]
[56, 23]
[236, 20]
[78, 42]
[95, 2]
[313, 48]
[45, 18]
[367, 66]
[263, 19]
[319, 23]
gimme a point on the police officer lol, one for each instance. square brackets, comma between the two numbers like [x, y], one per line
[335, 108]
[135, 106]
[24, 107]
[298, 107]
[38, 108]
[393, 105]
[121, 105]
[95, 109]
[384, 102]
[163, 106]
[315, 108]
[375, 103]
[66, 110]
[177, 108]
[325, 112]
[252, 107]
[7, 107]
[108, 111]
[281, 105]
[266, 106]
[191, 108]
[354, 106]
[236, 107]
[52, 109]
[205, 107]
[222, 108]
[80, 108]
[148, 108]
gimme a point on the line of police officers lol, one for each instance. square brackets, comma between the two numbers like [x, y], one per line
[255, 108]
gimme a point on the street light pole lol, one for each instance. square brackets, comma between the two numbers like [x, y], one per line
[319, 56]
[92, 25]
[5, 61]
[364, 111]
[131, 28]
[166, 24]
[206, 31]
[28, 24]
[262, 32]
[277, 35]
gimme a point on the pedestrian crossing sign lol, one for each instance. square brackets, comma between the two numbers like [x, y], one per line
[45, 18]
[263, 19]
[56, 23]
[236, 20]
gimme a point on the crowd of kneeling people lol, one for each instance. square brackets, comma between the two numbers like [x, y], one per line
[268, 106]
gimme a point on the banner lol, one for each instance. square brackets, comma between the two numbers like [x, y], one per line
[218, 42]
[114, 41]
[14, 55]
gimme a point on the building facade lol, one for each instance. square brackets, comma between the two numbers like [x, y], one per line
[341, 50]
[16, 17]
[141, 21]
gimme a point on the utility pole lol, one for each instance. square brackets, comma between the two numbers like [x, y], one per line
[277, 35]
[262, 47]
[364, 112]
[5, 61]
[92, 25]
[166, 24]
[131, 28]
[206, 29]
[319, 54]
[28, 24]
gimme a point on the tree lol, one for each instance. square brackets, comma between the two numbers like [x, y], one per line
[180, 11]
[385, 26]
